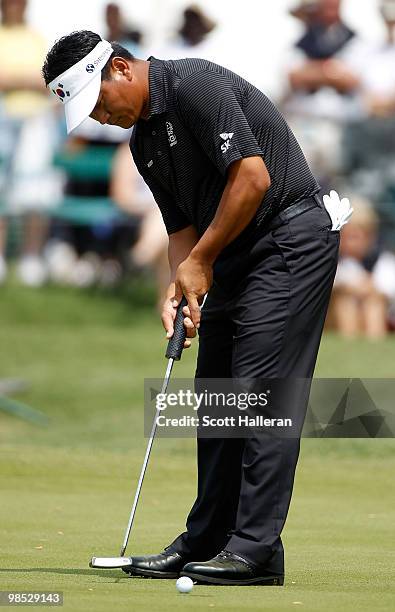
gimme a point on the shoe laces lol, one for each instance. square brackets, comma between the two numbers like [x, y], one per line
[224, 554]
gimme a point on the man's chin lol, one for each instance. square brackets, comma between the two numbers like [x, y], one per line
[124, 122]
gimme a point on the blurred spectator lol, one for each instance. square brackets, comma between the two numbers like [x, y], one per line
[368, 144]
[196, 26]
[328, 62]
[379, 75]
[194, 37]
[86, 250]
[130, 192]
[89, 250]
[118, 31]
[365, 281]
[94, 251]
[324, 88]
[29, 184]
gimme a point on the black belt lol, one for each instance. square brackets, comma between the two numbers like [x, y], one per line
[293, 211]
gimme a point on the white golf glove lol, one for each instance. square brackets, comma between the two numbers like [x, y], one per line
[339, 211]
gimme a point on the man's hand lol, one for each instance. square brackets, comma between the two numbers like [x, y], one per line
[169, 312]
[194, 278]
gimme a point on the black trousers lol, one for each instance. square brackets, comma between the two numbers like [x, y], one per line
[263, 318]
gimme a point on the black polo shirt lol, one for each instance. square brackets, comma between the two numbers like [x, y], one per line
[202, 118]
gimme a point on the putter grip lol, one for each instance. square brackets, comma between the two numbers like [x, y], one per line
[176, 342]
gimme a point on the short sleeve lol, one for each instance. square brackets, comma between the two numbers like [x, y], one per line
[174, 219]
[209, 109]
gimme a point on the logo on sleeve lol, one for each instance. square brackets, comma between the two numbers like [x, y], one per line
[227, 137]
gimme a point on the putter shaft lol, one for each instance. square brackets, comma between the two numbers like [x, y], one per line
[145, 463]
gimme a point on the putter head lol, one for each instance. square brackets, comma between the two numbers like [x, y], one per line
[110, 562]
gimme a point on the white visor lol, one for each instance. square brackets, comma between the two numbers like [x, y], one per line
[78, 87]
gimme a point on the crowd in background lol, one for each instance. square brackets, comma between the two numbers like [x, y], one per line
[75, 211]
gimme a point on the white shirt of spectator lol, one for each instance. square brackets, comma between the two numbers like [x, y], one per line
[378, 78]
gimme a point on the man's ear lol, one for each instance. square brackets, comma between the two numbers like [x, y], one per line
[121, 67]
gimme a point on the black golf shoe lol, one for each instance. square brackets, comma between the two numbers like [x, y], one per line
[168, 564]
[231, 569]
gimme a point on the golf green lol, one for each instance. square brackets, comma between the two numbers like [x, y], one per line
[67, 488]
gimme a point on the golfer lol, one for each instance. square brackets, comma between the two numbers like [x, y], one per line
[246, 227]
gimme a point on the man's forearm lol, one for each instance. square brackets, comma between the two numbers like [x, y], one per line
[180, 245]
[240, 200]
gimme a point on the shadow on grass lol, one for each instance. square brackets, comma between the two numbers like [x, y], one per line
[117, 577]
[64, 570]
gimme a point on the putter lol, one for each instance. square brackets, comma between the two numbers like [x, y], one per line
[173, 353]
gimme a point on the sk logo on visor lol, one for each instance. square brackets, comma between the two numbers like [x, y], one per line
[90, 68]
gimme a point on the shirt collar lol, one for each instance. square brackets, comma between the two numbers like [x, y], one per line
[158, 87]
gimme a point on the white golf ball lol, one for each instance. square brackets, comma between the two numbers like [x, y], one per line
[184, 584]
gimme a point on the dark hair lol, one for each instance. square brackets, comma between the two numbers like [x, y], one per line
[72, 48]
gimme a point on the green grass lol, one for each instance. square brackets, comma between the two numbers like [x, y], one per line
[66, 489]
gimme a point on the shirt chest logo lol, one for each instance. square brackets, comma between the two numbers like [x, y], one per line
[170, 134]
[227, 137]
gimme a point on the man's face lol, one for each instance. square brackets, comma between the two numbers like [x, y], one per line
[120, 100]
